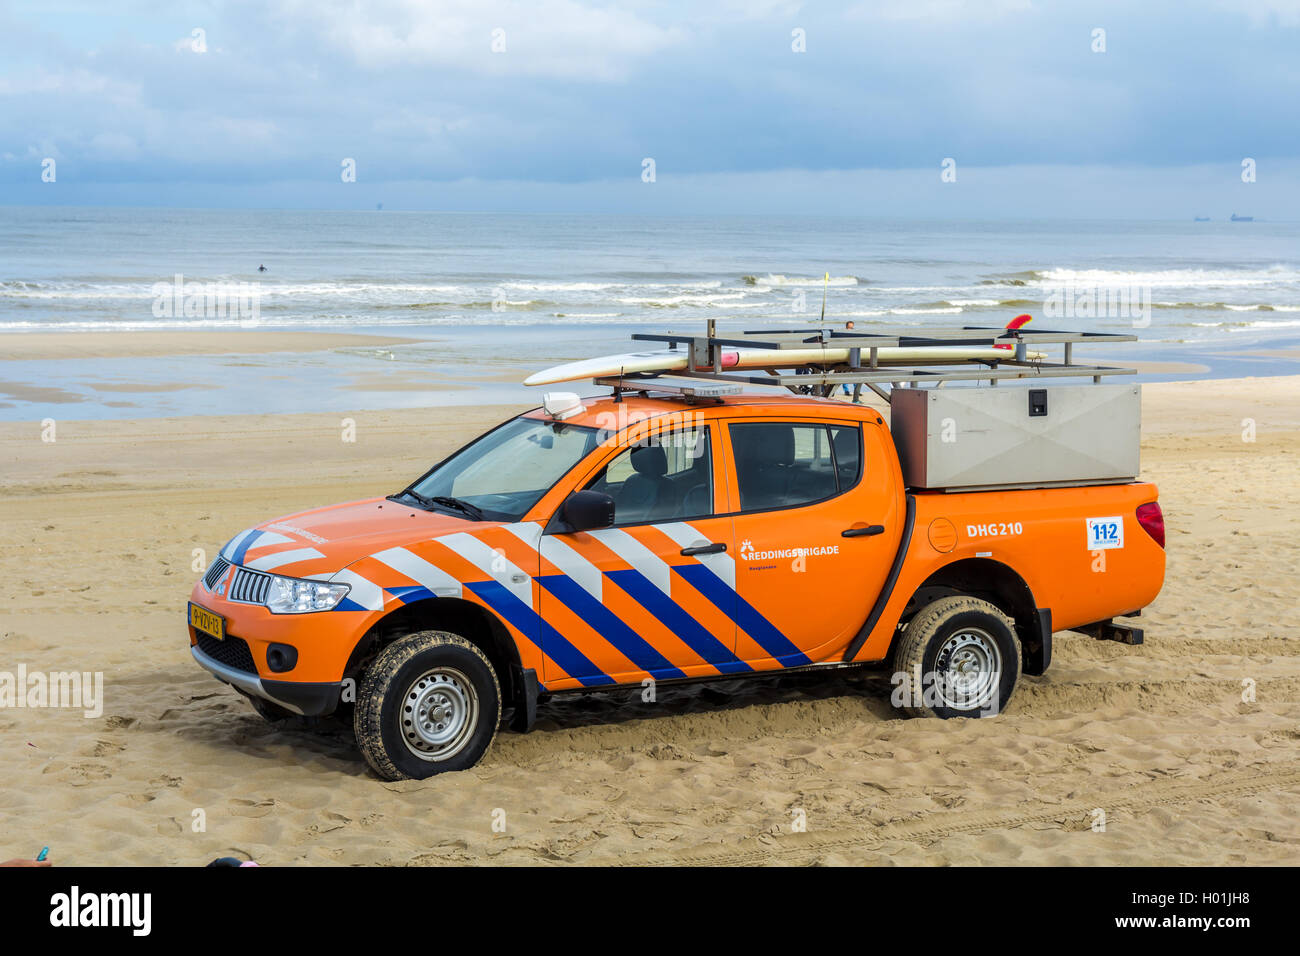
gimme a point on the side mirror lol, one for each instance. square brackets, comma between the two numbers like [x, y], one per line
[587, 510]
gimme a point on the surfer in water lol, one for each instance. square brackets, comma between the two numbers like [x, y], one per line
[261, 268]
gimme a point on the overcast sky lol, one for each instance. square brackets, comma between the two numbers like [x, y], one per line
[259, 104]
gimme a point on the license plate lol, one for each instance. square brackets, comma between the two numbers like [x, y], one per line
[201, 619]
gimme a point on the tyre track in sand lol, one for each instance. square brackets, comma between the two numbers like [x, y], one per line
[794, 849]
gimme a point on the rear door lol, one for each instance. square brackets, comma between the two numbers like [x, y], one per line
[804, 587]
[654, 595]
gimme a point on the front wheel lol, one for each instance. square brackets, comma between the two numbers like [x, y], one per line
[429, 703]
[271, 713]
[958, 657]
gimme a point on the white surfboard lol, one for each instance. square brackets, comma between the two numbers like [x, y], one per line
[675, 361]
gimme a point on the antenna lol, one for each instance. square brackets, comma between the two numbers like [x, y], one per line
[825, 286]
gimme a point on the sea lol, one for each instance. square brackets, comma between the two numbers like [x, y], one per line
[487, 297]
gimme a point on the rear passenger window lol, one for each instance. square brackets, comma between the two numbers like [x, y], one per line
[784, 464]
[846, 443]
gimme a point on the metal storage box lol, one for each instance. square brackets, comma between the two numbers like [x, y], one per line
[962, 438]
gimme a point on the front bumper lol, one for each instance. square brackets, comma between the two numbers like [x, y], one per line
[319, 647]
[306, 699]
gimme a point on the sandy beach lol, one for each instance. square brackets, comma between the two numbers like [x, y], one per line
[98, 536]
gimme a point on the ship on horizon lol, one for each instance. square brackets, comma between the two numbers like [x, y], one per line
[1236, 218]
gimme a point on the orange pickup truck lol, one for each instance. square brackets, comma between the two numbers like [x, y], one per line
[637, 538]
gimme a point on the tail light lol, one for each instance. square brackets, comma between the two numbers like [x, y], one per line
[1152, 520]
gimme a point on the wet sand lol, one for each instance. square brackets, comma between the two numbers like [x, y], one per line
[77, 345]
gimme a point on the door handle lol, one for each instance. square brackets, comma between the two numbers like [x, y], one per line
[863, 532]
[716, 548]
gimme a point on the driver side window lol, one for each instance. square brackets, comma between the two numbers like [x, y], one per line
[666, 477]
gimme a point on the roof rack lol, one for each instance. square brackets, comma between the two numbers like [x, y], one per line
[862, 368]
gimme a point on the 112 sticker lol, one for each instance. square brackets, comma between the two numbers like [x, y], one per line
[1104, 533]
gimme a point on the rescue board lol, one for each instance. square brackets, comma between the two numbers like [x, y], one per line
[630, 363]
[676, 361]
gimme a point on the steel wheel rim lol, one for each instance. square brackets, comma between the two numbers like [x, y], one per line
[968, 669]
[439, 713]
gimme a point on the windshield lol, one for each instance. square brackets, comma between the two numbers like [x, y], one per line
[507, 471]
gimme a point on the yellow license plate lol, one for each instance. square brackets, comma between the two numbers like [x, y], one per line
[204, 620]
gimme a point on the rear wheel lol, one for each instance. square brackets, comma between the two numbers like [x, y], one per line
[429, 703]
[958, 657]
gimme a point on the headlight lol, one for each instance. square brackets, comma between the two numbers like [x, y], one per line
[295, 596]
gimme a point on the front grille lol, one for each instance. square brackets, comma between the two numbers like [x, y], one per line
[232, 652]
[249, 587]
[215, 572]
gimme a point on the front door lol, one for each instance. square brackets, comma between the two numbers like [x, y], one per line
[804, 587]
[653, 596]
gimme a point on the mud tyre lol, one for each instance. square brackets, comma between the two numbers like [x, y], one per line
[958, 657]
[429, 703]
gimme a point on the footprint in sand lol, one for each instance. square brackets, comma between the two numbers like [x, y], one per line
[334, 821]
[88, 773]
[800, 764]
[251, 808]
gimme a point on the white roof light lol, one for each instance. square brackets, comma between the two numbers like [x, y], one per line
[561, 405]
